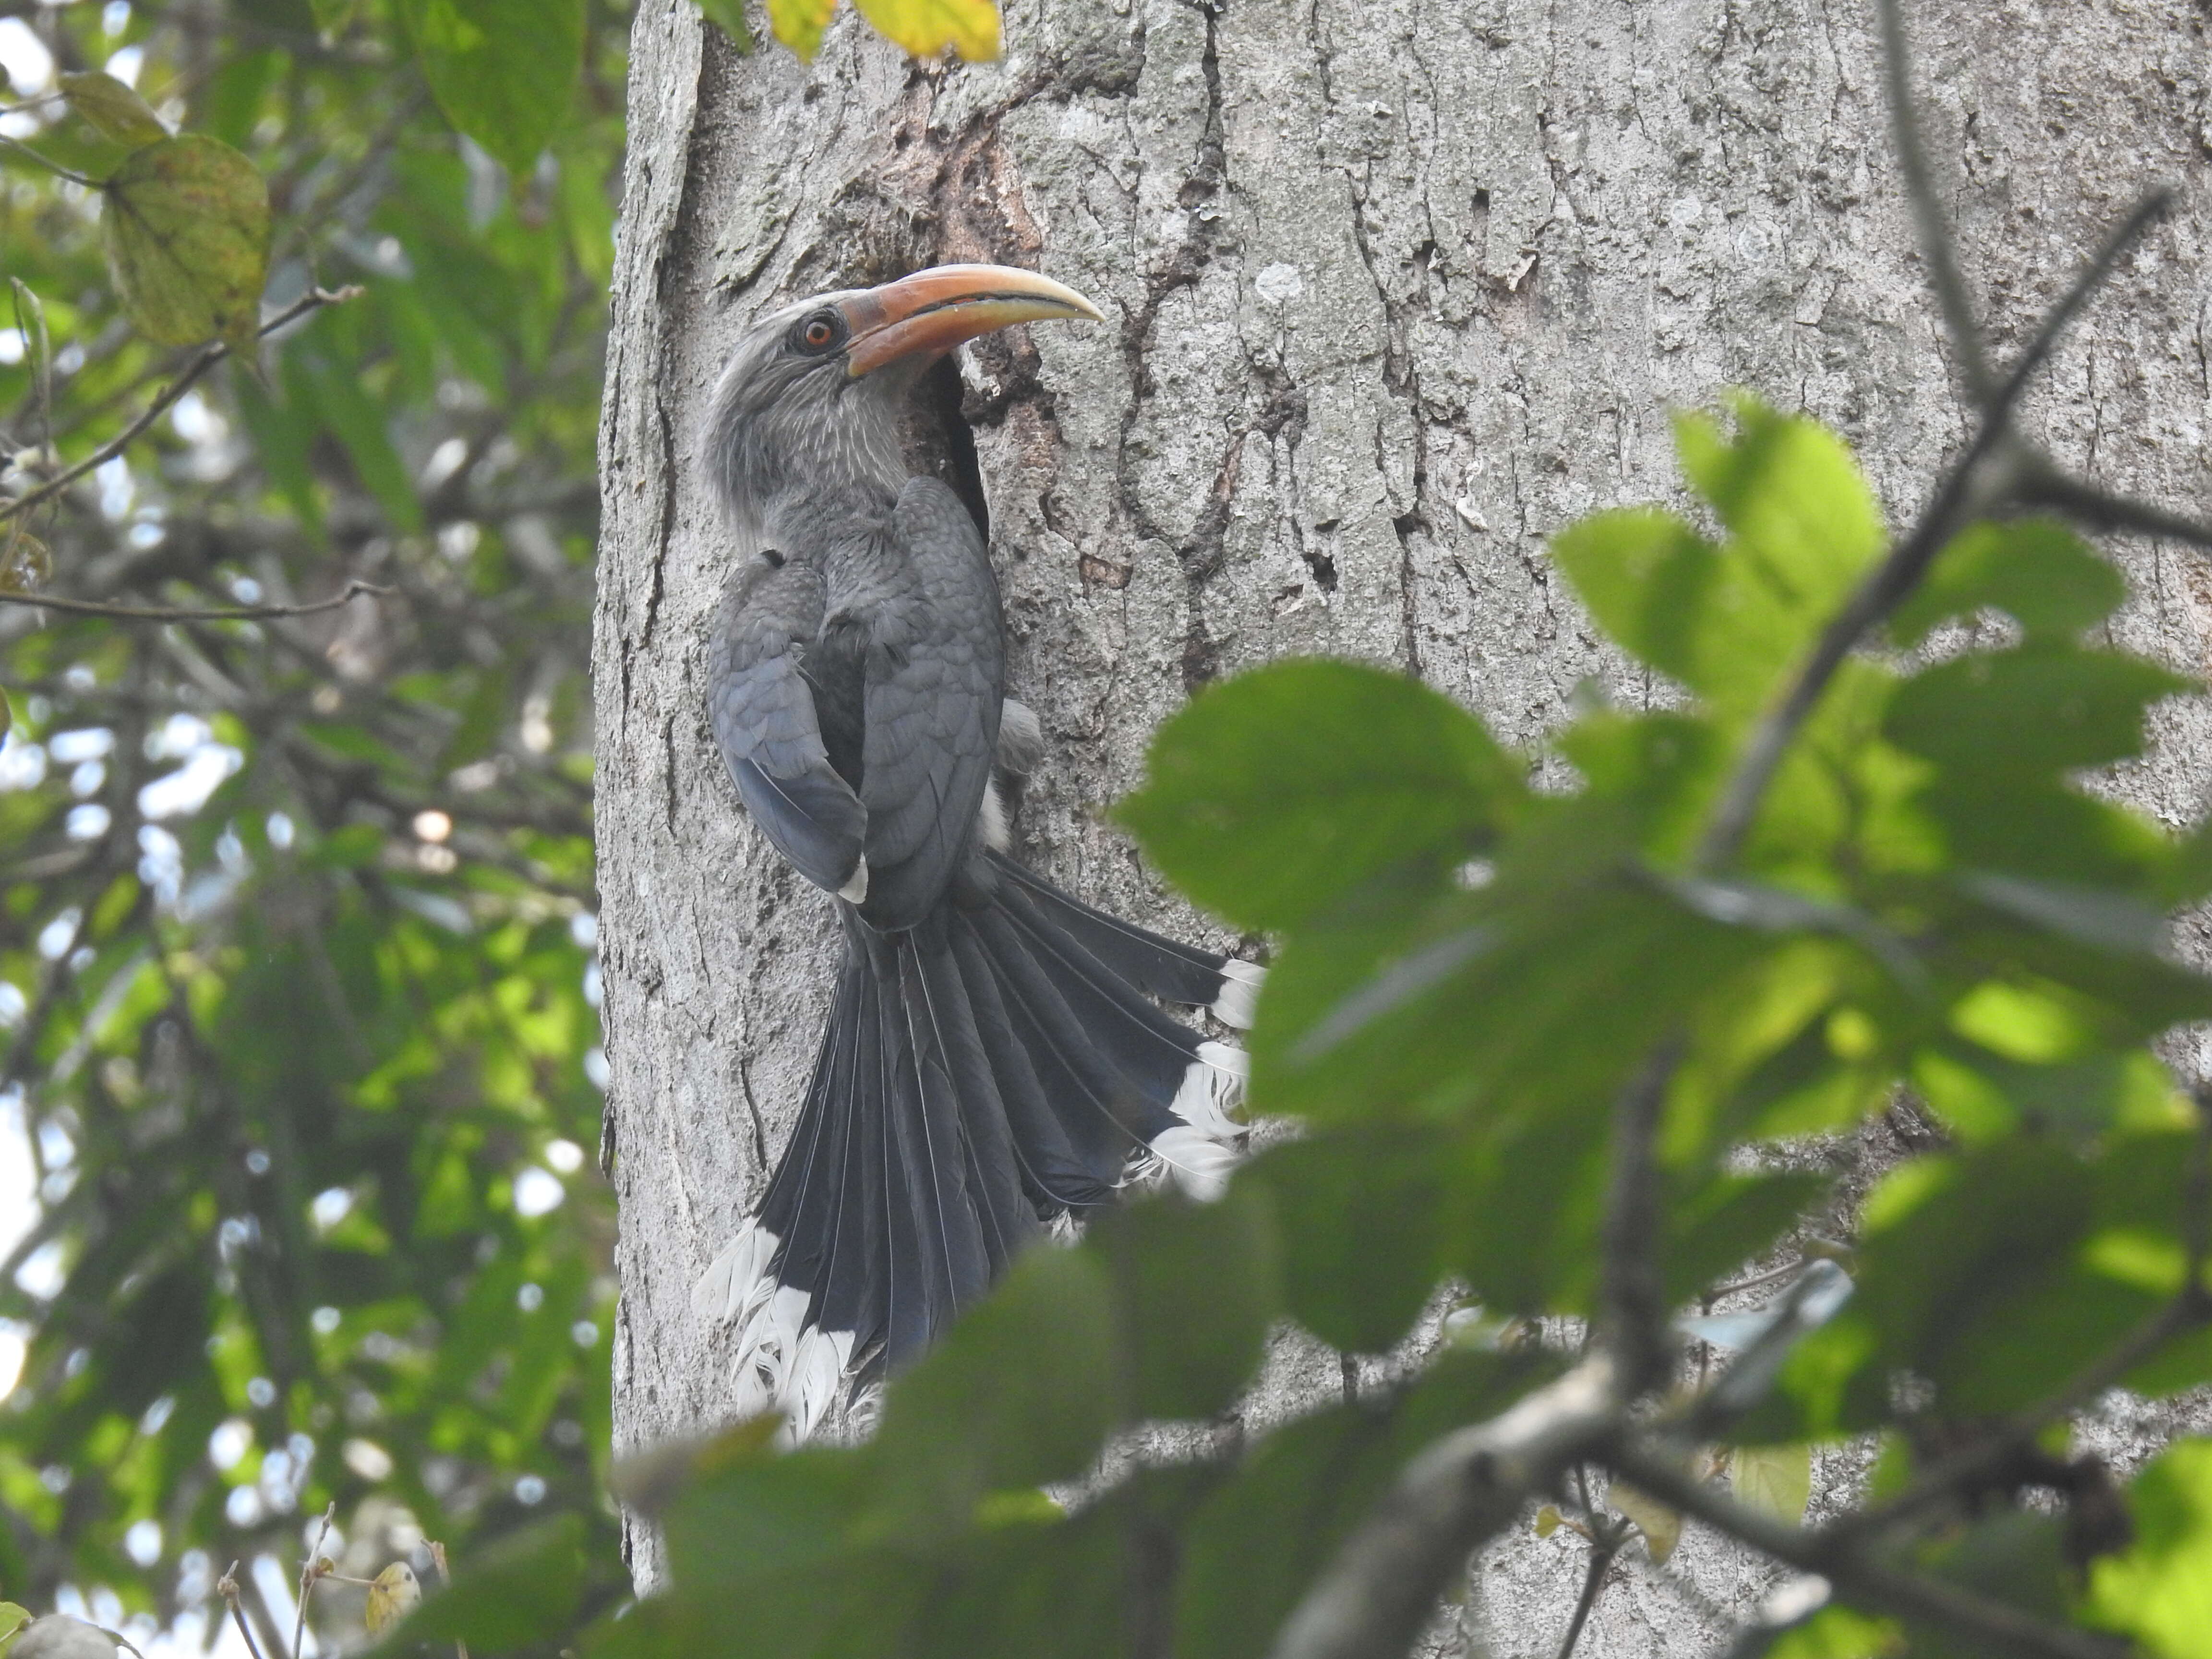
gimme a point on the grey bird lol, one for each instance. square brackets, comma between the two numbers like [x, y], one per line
[996, 1062]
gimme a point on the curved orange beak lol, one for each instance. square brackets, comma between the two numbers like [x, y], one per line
[928, 313]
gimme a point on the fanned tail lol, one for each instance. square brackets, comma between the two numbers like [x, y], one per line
[998, 1071]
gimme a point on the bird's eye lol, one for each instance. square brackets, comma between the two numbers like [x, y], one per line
[822, 331]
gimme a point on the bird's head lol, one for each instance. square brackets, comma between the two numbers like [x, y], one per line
[808, 412]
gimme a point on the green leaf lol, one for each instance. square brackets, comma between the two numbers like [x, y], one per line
[1733, 1220]
[1729, 621]
[502, 70]
[186, 231]
[926, 28]
[1972, 1273]
[1197, 1287]
[2035, 570]
[1776, 1479]
[749, 1514]
[1648, 579]
[1020, 1393]
[281, 435]
[1275, 793]
[1252, 1549]
[2044, 708]
[1550, 983]
[115, 109]
[1661, 1526]
[1360, 1217]
[521, 1591]
[1088, 1587]
[333, 391]
[729, 16]
[12, 1621]
[1794, 499]
[2017, 1559]
[2159, 1589]
[1838, 1632]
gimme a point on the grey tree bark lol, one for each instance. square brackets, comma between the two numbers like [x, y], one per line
[1398, 287]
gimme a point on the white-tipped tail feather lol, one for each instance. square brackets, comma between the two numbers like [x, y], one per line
[1196, 1161]
[784, 1364]
[1239, 1000]
[987, 1078]
[1199, 1154]
[1213, 1089]
[734, 1277]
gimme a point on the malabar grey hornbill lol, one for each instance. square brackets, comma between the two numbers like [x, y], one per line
[995, 1063]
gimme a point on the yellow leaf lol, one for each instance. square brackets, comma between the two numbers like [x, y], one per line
[925, 27]
[12, 1618]
[1547, 1521]
[392, 1595]
[1776, 1479]
[1661, 1526]
[798, 23]
[187, 227]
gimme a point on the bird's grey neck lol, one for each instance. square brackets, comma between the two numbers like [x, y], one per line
[806, 493]
[813, 517]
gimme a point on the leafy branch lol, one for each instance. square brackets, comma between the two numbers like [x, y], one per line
[1375, 1596]
[204, 360]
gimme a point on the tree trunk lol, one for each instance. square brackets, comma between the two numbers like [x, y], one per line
[1396, 290]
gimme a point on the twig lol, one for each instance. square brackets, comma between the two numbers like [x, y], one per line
[49, 163]
[1604, 1546]
[1934, 236]
[1633, 1293]
[153, 613]
[208, 357]
[309, 1572]
[2044, 485]
[1903, 1595]
[1376, 1594]
[226, 1587]
[2146, 213]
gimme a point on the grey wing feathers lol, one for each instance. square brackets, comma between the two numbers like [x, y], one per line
[933, 696]
[763, 711]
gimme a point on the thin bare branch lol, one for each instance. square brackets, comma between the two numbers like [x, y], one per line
[1862, 1581]
[310, 1570]
[2100, 510]
[1928, 221]
[226, 1587]
[2130, 231]
[49, 163]
[207, 358]
[154, 613]
[1381, 1587]
[1604, 1549]
[1632, 1290]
